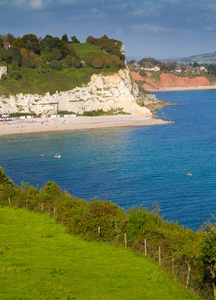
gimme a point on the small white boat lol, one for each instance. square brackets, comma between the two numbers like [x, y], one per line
[57, 155]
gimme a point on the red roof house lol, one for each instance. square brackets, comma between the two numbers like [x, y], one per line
[7, 45]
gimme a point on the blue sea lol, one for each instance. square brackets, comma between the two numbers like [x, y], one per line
[131, 166]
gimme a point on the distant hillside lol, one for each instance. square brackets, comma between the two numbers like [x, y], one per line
[208, 58]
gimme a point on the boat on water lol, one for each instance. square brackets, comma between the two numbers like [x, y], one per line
[189, 174]
[57, 155]
[41, 155]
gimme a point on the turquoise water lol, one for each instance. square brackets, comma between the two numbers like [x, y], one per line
[131, 166]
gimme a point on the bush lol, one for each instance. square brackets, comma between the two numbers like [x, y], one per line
[98, 62]
[15, 74]
[4, 77]
[52, 189]
[71, 50]
[117, 61]
[55, 64]
[76, 62]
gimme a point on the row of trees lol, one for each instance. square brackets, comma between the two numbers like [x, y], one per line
[191, 256]
[56, 53]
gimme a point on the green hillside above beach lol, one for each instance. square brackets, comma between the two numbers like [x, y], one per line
[51, 64]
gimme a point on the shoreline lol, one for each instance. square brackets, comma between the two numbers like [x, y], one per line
[75, 123]
[177, 89]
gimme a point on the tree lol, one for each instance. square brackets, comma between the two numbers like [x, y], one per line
[71, 50]
[19, 43]
[50, 43]
[211, 69]
[195, 65]
[91, 40]
[65, 38]
[10, 38]
[74, 40]
[1, 42]
[32, 42]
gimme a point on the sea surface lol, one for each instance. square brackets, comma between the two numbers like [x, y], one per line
[131, 166]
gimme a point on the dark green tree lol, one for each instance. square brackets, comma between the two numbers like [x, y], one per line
[19, 43]
[74, 39]
[195, 65]
[65, 38]
[1, 42]
[32, 42]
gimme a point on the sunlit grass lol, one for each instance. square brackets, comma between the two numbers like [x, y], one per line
[40, 261]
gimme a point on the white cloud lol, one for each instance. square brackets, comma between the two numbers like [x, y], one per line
[210, 28]
[30, 4]
[150, 28]
[36, 4]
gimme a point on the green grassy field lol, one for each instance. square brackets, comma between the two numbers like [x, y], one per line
[40, 261]
[84, 48]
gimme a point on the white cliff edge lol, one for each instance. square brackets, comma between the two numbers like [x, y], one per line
[116, 91]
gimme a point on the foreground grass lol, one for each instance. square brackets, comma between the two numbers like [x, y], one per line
[40, 261]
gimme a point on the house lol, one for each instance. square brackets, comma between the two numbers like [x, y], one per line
[154, 69]
[7, 45]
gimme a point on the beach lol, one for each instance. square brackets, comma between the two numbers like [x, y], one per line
[190, 88]
[48, 124]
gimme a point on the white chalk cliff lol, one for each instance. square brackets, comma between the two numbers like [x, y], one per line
[116, 91]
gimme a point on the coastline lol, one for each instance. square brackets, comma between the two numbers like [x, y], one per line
[191, 88]
[75, 123]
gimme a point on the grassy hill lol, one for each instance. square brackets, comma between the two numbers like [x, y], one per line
[207, 58]
[40, 261]
[38, 66]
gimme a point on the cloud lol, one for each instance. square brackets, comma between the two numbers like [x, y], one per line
[210, 28]
[36, 4]
[28, 4]
[150, 28]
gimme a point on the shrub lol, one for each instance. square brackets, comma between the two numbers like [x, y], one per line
[71, 50]
[52, 189]
[55, 64]
[98, 62]
[117, 61]
[4, 77]
[76, 62]
[15, 74]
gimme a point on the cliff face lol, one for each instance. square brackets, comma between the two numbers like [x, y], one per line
[115, 91]
[165, 80]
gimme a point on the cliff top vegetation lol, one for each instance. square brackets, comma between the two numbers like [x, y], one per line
[190, 256]
[37, 65]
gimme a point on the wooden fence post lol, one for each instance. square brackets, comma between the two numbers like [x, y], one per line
[159, 260]
[99, 230]
[188, 276]
[145, 247]
[125, 240]
[9, 200]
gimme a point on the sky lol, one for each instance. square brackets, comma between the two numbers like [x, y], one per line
[148, 28]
